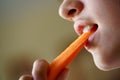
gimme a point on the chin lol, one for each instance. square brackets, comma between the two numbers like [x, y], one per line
[105, 65]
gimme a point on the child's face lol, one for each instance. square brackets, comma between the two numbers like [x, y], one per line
[104, 44]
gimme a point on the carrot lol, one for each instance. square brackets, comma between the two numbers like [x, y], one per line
[67, 56]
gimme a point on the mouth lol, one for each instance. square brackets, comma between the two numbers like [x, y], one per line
[80, 29]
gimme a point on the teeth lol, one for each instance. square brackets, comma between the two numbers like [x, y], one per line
[87, 28]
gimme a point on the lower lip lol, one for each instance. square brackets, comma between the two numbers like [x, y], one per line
[90, 41]
[79, 31]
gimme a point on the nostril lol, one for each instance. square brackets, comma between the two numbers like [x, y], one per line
[72, 12]
[70, 8]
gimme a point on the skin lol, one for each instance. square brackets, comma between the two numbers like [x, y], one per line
[40, 69]
[104, 44]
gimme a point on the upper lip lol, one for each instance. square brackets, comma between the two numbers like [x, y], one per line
[79, 25]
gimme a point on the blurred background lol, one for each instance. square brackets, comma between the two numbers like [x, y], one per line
[32, 29]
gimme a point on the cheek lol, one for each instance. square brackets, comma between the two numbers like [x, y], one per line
[106, 54]
[103, 13]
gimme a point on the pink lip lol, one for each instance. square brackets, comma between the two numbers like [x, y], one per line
[79, 26]
[90, 41]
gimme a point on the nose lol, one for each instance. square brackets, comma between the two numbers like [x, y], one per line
[70, 8]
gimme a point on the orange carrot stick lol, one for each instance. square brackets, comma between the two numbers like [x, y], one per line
[67, 56]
